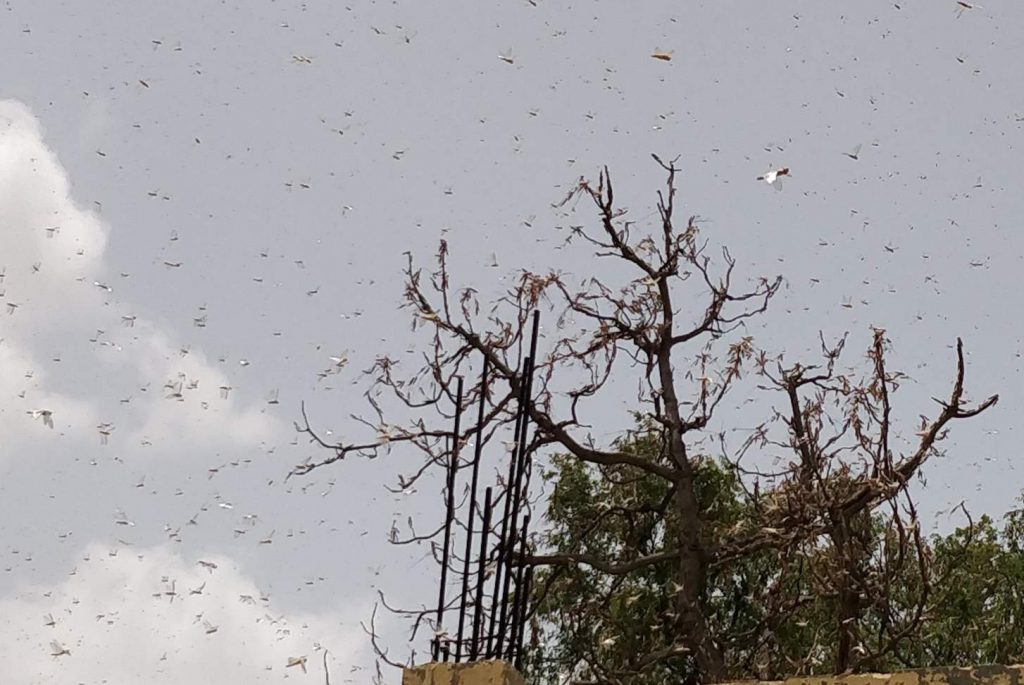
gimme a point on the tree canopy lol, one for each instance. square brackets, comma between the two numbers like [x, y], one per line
[590, 628]
[672, 554]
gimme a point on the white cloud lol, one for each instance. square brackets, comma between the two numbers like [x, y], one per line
[55, 297]
[121, 626]
[201, 415]
[53, 356]
[35, 196]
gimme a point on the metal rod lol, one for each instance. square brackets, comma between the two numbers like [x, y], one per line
[516, 638]
[508, 522]
[527, 589]
[491, 621]
[453, 466]
[496, 600]
[519, 600]
[472, 510]
[520, 455]
[489, 652]
[478, 612]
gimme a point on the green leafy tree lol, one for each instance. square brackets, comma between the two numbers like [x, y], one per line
[776, 612]
[716, 580]
[977, 613]
[960, 594]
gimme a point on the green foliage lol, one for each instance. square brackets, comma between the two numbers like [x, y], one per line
[977, 613]
[773, 614]
[623, 513]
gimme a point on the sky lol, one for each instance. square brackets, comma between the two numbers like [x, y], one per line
[207, 199]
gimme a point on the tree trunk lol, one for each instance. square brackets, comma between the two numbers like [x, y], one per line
[691, 580]
[849, 559]
[692, 569]
[848, 615]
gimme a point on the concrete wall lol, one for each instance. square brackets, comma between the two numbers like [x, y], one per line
[500, 673]
[478, 673]
[979, 675]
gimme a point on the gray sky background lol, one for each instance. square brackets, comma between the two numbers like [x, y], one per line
[187, 132]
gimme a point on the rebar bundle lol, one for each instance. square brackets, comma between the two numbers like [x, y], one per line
[496, 624]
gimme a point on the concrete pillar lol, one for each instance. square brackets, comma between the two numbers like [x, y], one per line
[475, 673]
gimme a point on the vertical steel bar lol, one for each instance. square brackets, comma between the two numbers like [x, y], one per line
[526, 398]
[499, 571]
[478, 612]
[472, 510]
[527, 589]
[516, 638]
[453, 466]
[508, 524]
[520, 600]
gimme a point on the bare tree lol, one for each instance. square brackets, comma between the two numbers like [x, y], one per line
[683, 359]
